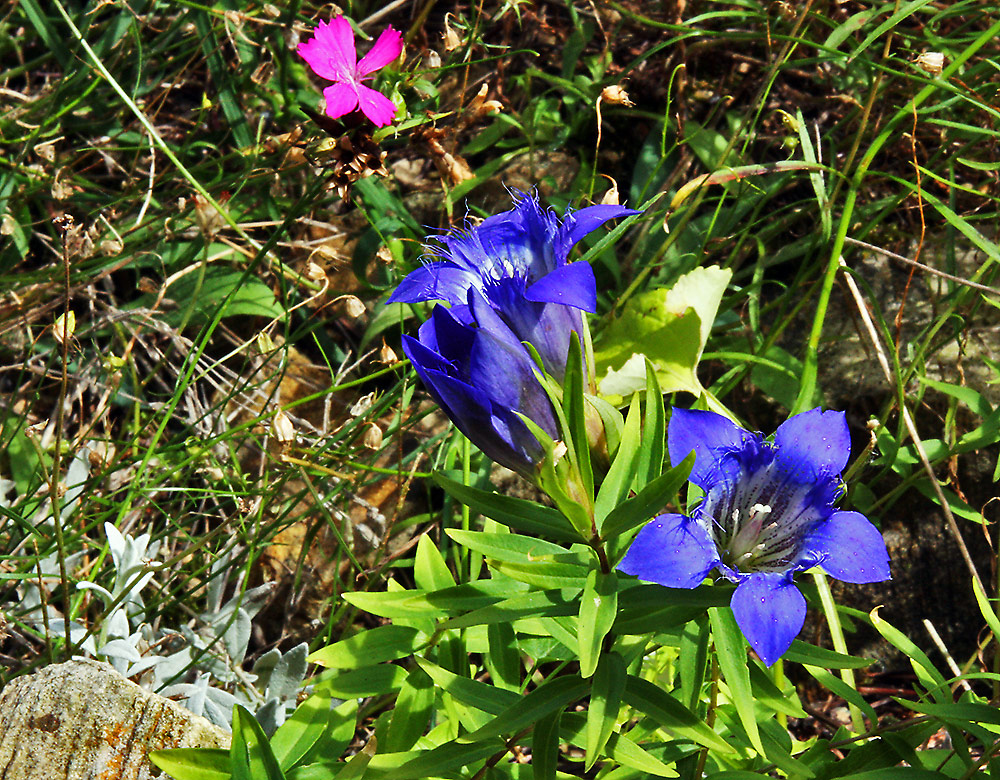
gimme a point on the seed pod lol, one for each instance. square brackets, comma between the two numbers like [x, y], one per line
[282, 428]
[373, 437]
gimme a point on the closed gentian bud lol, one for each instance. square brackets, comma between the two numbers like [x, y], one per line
[483, 378]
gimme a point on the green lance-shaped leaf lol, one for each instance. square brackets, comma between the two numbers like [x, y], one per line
[667, 327]
[628, 753]
[803, 653]
[927, 673]
[549, 575]
[670, 714]
[516, 513]
[355, 768]
[364, 681]
[437, 604]
[546, 603]
[437, 762]
[339, 729]
[989, 614]
[622, 472]
[473, 693]
[654, 428]
[193, 763]
[730, 651]
[838, 687]
[777, 749]
[598, 608]
[526, 559]
[511, 548]
[692, 662]
[412, 712]
[620, 748]
[649, 502]
[770, 695]
[250, 755]
[503, 660]
[384, 643]
[545, 746]
[547, 698]
[575, 409]
[606, 690]
[643, 609]
[960, 714]
[430, 571]
[297, 735]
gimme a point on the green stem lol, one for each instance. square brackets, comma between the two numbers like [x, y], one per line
[710, 715]
[839, 644]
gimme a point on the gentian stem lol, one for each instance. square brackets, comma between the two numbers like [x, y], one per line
[710, 714]
[778, 674]
[602, 555]
[839, 644]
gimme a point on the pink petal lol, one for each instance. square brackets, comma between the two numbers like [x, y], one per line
[331, 51]
[340, 99]
[376, 106]
[387, 48]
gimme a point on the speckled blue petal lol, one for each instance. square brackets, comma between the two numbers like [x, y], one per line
[712, 437]
[850, 548]
[813, 443]
[770, 612]
[435, 282]
[672, 550]
[570, 285]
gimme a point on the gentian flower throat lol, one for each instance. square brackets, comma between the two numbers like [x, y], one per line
[759, 520]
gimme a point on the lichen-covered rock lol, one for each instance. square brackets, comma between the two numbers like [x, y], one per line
[81, 720]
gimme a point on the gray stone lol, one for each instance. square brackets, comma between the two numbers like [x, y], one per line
[81, 720]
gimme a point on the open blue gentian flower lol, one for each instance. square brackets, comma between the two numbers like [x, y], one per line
[482, 377]
[517, 262]
[768, 512]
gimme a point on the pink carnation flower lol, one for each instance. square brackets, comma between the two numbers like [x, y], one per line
[331, 54]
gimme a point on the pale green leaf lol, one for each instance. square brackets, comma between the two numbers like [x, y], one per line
[193, 763]
[669, 327]
[383, 643]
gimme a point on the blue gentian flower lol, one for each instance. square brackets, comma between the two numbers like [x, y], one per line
[768, 512]
[482, 376]
[516, 261]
